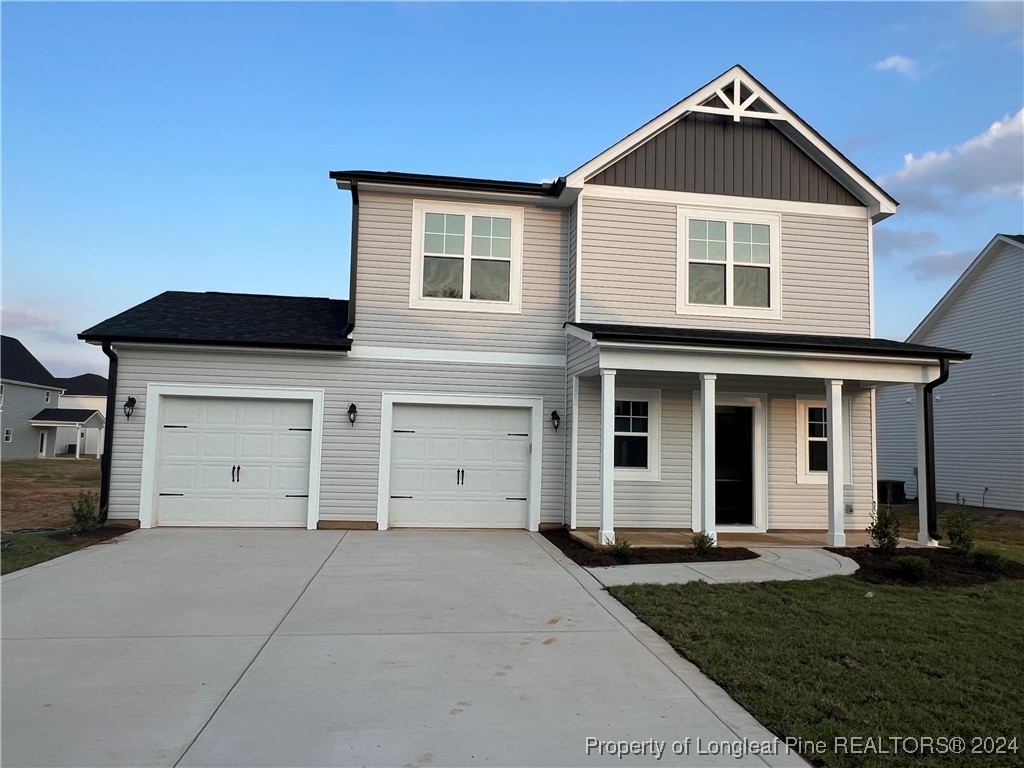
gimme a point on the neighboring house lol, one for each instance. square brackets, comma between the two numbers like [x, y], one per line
[31, 418]
[26, 388]
[979, 413]
[678, 334]
[87, 391]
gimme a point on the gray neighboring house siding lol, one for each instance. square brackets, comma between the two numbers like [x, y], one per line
[979, 412]
[21, 403]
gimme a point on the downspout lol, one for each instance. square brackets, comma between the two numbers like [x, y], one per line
[353, 259]
[108, 432]
[929, 448]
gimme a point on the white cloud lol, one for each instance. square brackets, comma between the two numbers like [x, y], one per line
[903, 64]
[998, 18]
[889, 242]
[941, 264]
[989, 165]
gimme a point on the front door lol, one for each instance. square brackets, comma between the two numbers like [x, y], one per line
[734, 465]
[42, 444]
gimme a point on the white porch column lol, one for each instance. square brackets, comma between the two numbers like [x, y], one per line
[78, 441]
[922, 471]
[836, 461]
[707, 457]
[606, 534]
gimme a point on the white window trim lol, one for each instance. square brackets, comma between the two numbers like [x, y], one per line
[515, 291]
[729, 216]
[653, 471]
[8, 435]
[803, 475]
[46, 396]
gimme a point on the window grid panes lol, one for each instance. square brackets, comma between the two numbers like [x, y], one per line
[8, 435]
[632, 421]
[817, 439]
[729, 263]
[451, 259]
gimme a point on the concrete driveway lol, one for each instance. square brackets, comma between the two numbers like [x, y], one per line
[295, 648]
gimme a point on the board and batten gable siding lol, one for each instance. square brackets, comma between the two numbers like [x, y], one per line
[349, 471]
[384, 317]
[667, 503]
[713, 155]
[629, 266]
[979, 412]
[21, 403]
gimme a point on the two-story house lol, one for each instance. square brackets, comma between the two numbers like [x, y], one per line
[678, 334]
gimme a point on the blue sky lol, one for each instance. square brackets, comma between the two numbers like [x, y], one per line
[186, 146]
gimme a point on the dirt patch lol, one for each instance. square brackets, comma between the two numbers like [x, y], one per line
[948, 569]
[588, 557]
[37, 493]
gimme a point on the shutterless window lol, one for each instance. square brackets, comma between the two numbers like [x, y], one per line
[467, 257]
[817, 439]
[8, 435]
[728, 263]
[632, 432]
[46, 397]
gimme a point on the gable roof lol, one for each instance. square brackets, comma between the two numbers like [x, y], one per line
[736, 93]
[86, 384]
[230, 320]
[18, 364]
[973, 270]
[68, 416]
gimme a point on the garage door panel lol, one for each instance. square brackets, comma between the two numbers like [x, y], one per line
[271, 486]
[439, 449]
[407, 447]
[511, 450]
[406, 479]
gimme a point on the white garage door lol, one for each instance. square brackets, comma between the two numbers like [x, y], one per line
[460, 467]
[232, 462]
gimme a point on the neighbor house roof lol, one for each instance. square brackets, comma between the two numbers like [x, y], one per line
[18, 364]
[700, 337]
[66, 415]
[86, 384]
[972, 271]
[231, 320]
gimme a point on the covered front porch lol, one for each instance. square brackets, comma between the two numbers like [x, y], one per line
[748, 437]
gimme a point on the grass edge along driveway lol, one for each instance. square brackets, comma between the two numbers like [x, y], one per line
[837, 657]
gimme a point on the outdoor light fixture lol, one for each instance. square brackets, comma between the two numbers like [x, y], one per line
[556, 420]
[352, 411]
[129, 407]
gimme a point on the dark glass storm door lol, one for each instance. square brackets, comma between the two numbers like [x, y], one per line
[734, 465]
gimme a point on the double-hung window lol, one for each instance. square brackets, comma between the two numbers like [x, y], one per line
[8, 435]
[637, 444]
[812, 434]
[466, 257]
[728, 264]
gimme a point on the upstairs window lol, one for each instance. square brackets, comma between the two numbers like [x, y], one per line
[46, 397]
[728, 264]
[466, 257]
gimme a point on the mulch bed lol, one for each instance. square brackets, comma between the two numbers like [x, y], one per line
[948, 569]
[100, 535]
[588, 557]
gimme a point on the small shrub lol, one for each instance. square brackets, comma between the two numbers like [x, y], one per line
[960, 528]
[988, 560]
[623, 550]
[912, 567]
[703, 542]
[884, 529]
[85, 515]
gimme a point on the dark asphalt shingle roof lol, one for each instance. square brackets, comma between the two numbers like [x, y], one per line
[18, 364]
[66, 415]
[1015, 238]
[88, 384]
[780, 341]
[230, 319]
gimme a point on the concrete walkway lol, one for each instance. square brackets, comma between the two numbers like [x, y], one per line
[774, 564]
[321, 648]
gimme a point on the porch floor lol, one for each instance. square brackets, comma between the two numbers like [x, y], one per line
[681, 537]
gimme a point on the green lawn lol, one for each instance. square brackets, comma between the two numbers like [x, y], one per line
[838, 657]
[1000, 530]
[24, 549]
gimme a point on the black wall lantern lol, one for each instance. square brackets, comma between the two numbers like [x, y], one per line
[129, 407]
[556, 420]
[352, 411]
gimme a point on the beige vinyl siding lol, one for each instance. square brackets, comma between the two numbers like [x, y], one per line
[629, 271]
[979, 412]
[385, 319]
[667, 503]
[570, 304]
[349, 472]
[581, 356]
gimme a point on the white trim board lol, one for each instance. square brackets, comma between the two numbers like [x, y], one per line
[390, 399]
[150, 438]
[430, 355]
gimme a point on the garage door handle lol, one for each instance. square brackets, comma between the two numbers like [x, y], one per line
[238, 474]
[233, 473]
[462, 480]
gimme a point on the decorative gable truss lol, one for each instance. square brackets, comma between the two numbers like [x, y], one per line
[738, 95]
